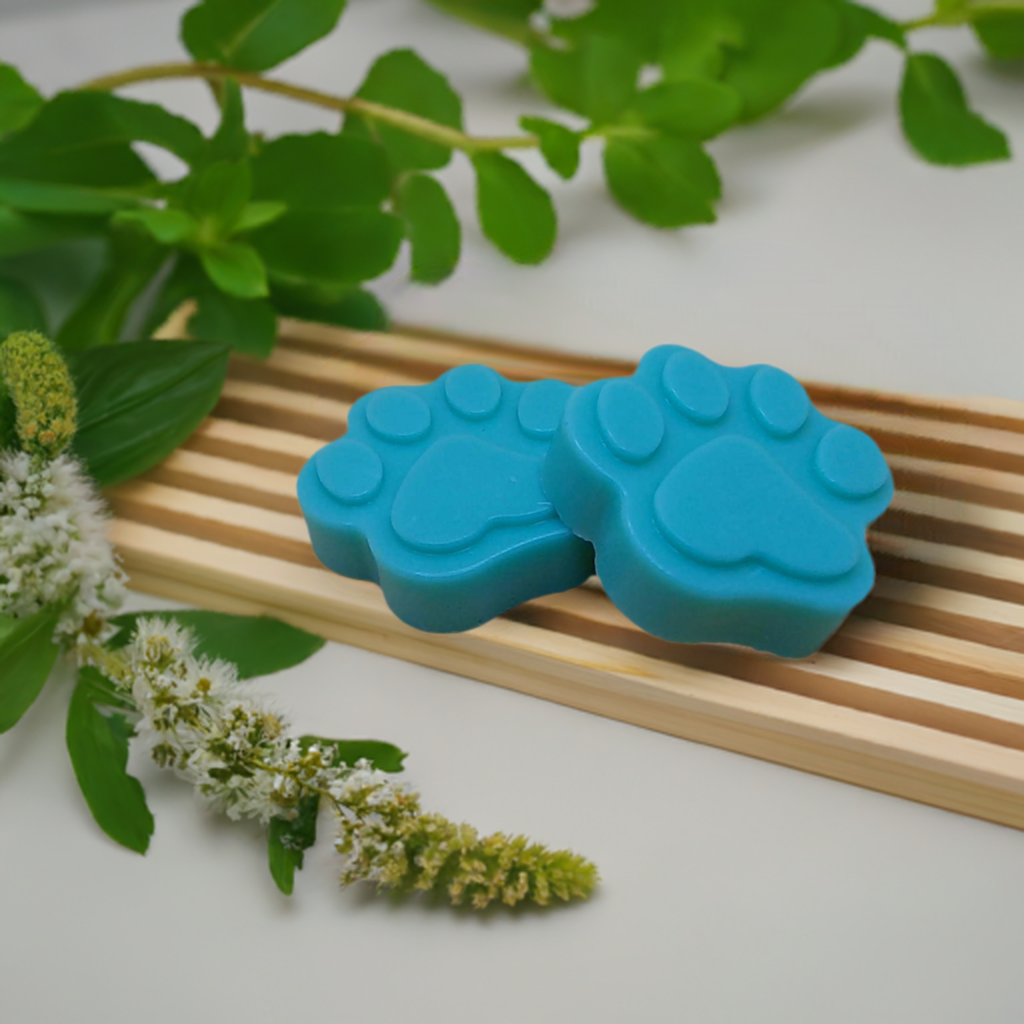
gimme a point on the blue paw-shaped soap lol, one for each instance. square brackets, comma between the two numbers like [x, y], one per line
[435, 494]
[722, 505]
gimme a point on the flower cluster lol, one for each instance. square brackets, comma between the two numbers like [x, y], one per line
[53, 543]
[198, 721]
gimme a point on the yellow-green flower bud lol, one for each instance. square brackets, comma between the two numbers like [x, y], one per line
[38, 381]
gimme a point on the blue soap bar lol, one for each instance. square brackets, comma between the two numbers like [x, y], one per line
[435, 494]
[722, 505]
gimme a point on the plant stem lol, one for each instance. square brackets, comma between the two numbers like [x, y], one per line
[411, 123]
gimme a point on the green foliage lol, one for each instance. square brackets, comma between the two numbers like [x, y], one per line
[257, 644]
[287, 839]
[385, 756]
[137, 402]
[432, 227]
[27, 654]
[254, 35]
[937, 121]
[20, 310]
[560, 146]
[516, 214]
[19, 101]
[692, 108]
[666, 182]
[404, 81]
[97, 742]
[1002, 34]
[356, 308]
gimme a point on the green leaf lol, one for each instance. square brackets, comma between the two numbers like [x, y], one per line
[218, 196]
[287, 839]
[508, 18]
[25, 232]
[560, 146]
[329, 248]
[404, 80]
[139, 401]
[516, 214]
[697, 41]
[236, 269]
[20, 310]
[322, 172]
[85, 138]
[258, 215]
[253, 35]
[247, 325]
[257, 644]
[356, 309]
[432, 226]
[937, 121]
[878, 26]
[98, 747]
[597, 78]
[46, 197]
[786, 42]
[692, 108]
[27, 655]
[1001, 34]
[663, 181]
[133, 260]
[385, 756]
[231, 140]
[166, 226]
[19, 101]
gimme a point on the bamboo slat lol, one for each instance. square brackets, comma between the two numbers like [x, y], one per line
[920, 694]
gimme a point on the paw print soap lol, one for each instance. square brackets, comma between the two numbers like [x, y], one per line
[435, 493]
[723, 507]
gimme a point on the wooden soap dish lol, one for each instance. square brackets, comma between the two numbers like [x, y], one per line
[920, 694]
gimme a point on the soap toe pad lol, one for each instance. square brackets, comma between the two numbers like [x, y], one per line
[435, 493]
[722, 505]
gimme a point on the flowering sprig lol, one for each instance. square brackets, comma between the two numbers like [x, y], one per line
[196, 719]
[60, 583]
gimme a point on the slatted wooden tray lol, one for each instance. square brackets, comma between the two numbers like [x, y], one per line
[920, 694]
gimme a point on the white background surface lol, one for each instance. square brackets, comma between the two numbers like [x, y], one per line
[734, 891]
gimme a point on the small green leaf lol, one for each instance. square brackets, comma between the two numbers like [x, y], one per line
[662, 181]
[254, 35]
[20, 310]
[19, 101]
[357, 309]
[133, 260]
[166, 226]
[404, 80]
[786, 43]
[27, 654]
[696, 42]
[258, 215]
[329, 248]
[139, 401]
[508, 18]
[98, 747]
[597, 78]
[560, 146]
[385, 756]
[432, 226]
[937, 121]
[257, 644]
[218, 197]
[247, 325]
[692, 108]
[878, 26]
[1002, 34]
[322, 172]
[236, 268]
[516, 214]
[287, 839]
[45, 197]
[85, 138]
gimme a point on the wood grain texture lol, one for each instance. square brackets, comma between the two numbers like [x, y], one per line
[920, 694]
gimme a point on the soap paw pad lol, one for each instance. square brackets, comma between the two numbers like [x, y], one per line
[723, 506]
[435, 493]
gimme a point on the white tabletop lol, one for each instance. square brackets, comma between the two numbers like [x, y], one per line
[734, 890]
